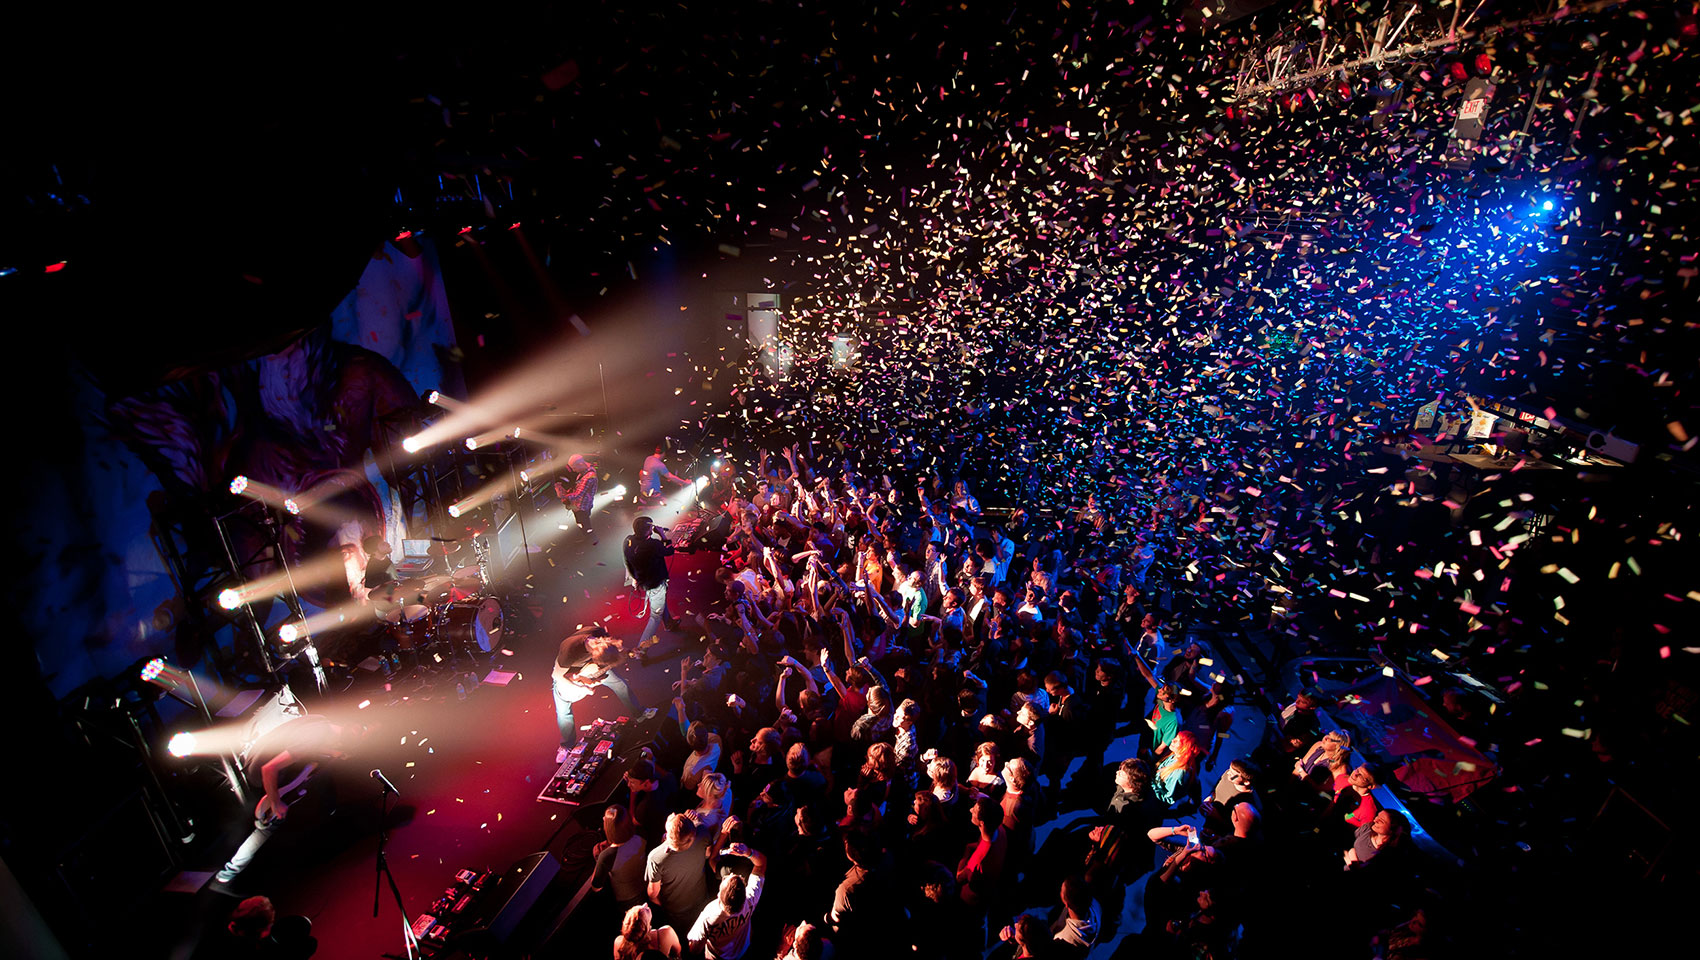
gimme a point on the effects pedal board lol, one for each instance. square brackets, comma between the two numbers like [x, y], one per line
[584, 762]
[432, 929]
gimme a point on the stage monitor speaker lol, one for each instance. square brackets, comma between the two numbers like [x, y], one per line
[1614, 447]
[517, 889]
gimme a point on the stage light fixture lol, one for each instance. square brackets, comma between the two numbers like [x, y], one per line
[702, 482]
[525, 476]
[619, 490]
[716, 466]
[433, 397]
[229, 599]
[472, 443]
[155, 667]
[454, 510]
[412, 444]
[287, 633]
[238, 485]
[1546, 205]
[181, 744]
[290, 505]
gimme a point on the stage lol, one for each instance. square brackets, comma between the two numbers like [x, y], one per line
[468, 771]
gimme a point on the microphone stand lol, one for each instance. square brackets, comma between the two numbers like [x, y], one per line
[409, 941]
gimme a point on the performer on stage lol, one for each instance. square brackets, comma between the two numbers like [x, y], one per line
[585, 661]
[285, 761]
[580, 497]
[379, 570]
[646, 565]
[653, 473]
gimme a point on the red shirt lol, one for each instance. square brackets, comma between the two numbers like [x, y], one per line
[852, 703]
[1366, 810]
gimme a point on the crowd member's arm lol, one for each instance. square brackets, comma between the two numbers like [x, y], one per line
[749, 640]
[1173, 864]
[845, 627]
[879, 681]
[970, 675]
[837, 580]
[826, 655]
[1157, 834]
[881, 608]
[679, 708]
[722, 842]
[1145, 670]
[758, 860]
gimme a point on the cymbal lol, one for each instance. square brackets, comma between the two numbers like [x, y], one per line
[428, 590]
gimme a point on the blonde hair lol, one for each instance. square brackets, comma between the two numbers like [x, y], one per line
[713, 786]
[1019, 774]
[680, 831]
[634, 933]
[908, 709]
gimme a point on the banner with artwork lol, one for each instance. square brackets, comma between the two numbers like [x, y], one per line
[1393, 725]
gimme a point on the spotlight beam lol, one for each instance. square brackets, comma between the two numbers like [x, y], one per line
[503, 484]
[345, 614]
[558, 376]
[320, 571]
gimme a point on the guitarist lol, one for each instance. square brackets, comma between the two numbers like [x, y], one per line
[284, 761]
[585, 661]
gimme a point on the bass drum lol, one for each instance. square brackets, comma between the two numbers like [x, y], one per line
[472, 624]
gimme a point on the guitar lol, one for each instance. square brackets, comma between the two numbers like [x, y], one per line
[578, 684]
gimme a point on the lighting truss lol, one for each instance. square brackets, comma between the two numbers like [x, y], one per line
[1286, 63]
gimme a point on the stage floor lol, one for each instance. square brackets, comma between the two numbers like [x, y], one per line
[469, 771]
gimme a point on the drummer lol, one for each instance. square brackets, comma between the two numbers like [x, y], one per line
[379, 570]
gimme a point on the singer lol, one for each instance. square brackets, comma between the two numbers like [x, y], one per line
[646, 565]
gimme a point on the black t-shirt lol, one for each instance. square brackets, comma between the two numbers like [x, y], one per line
[378, 571]
[649, 810]
[805, 790]
[646, 560]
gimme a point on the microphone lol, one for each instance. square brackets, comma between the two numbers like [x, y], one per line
[378, 775]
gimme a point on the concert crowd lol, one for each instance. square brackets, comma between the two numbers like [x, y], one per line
[920, 728]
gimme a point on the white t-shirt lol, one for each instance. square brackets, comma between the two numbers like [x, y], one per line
[1080, 932]
[726, 935]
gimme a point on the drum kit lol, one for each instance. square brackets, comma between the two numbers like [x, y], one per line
[451, 613]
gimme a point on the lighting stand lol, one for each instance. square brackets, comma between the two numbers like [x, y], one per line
[247, 610]
[293, 602]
